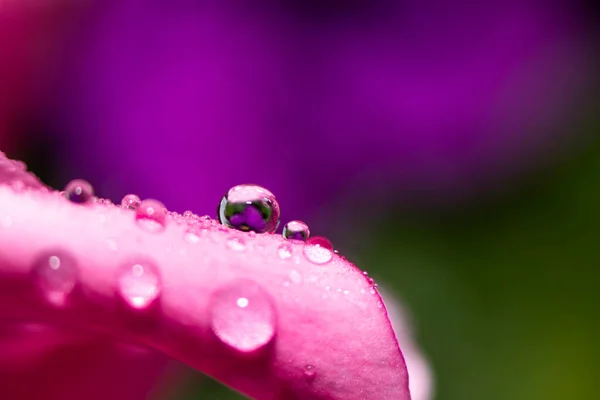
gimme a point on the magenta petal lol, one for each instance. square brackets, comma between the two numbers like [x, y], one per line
[269, 326]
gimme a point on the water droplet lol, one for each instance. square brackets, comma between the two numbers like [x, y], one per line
[130, 201]
[310, 373]
[236, 243]
[151, 215]
[296, 230]
[284, 251]
[79, 191]
[188, 214]
[249, 208]
[139, 284]
[295, 276]
[243, 316]
[318, 250]
[191, 236]
[56, 274]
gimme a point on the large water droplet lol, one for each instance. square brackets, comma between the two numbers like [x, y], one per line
[151, 215]
[249, 208]
[318, 250]
[130, 201]
[79, 191]
[56, 274]
[296, 230]
[243, 316]
[139, 284]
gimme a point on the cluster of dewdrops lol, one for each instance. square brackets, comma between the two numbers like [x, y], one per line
[245, 208]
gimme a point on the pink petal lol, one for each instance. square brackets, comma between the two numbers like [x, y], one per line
[269, 323]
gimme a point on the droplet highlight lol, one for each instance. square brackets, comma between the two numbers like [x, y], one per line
[318, 250]
[151, 215]
[139, 284]
[249, 208]
[130, 201]
[310, 373]
[56, 275]
[296, 230]
[243, 316]
[79, 191]
[284, 251]
[236, 243]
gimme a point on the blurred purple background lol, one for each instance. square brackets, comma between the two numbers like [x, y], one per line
[373, 121]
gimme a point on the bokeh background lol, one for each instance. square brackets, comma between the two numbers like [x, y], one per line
[450, 149]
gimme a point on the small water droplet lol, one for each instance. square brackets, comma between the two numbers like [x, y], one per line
[249, 208]
[310, 373]
[151, 215]
[139, 284]
[56, 274]
[243, 316]
[130, 201]
[236, 243]
[188, 214]
[318, 250]
[191, 236]
[79, 191]
[284, 251]
[296, 230]
[295, 276]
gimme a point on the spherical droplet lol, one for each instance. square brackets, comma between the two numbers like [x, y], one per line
[79, 191]
[249, 208]
[191, 236]
[295, 276]
[130, 201]
[242, 316]
[310, 373]
[318, 250]
[139, 284]
[236, 243]
[56, 274]
[296, 230]
[284, 251]
[151, 215]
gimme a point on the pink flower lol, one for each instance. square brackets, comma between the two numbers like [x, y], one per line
[272, 318]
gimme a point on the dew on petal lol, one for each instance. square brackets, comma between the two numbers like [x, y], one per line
[130, 201]
[310, 373]
[139, 284]
[236, 243]
[56, 274]
[318, 250]
[242, 316]
[191, 236]
[249, 208]
[79, 191]
[296, 230]
[151, 215]
[295, 276]
[284, 251]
